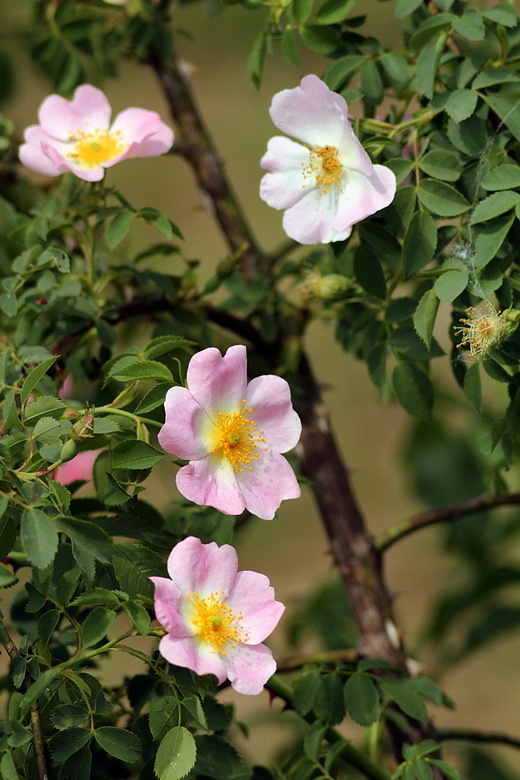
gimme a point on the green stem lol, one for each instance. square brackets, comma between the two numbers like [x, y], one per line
[293, 662]
[123, 413]
[349, 752]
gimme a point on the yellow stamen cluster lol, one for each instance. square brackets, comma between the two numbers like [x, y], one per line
[239, 438]
[482, 328]
[324, 166]
[93, 149]
[215, 622]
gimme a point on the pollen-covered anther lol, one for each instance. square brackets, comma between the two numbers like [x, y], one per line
[239, 438]
[325, 167]
[215, 622]
[483, 327]
[92, 149]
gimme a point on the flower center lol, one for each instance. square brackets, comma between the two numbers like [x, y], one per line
[93, 149]
[483, 328]
[238, 438]
[324, 166]
[216, 623]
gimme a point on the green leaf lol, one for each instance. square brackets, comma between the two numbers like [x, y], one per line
[7, 576]
[320, 39]
[87, 536]
[413, 389]
[138, 615]
[120, 743]
[451, 283]
[330, 704]
[489, 237]
[218, 759]
[503, 177]
[425, 315]
[442, 199]
[47, 431]
[65, 743]
[361, 699]
[39, 537]
[142, 369]
[197, 716]
[176, 754]
[163, 713]
[96, 625]
[163, 344]
[135, 455]
[8, 304]
[255, 62]
[312, 740]
[489, 77]
[473, 387]
[369, 273]
[406, 7]
[406, 697]
[134, 564]
[306, 690]
[502, 14]
[45, 406]
[371, 83]
[420, 242]
[288, 46]
[8, 768]
[118, 227]
[301, 10]
[32, 379]
[153, 398]
[504, 103]
[333, 11]
[427, 65]
[470, 25]
[448, 771]
[441, 164]
[494, 205]
[67, 715]
[461, 104]
[338, 73]
[96, 596]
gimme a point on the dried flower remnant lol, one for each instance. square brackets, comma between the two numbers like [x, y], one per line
[215, 616]
[483, 327]
[326, 182]
[232, 433]
[76, 135]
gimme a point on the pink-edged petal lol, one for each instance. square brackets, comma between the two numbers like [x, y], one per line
[88, 110]
[309, 221]
[286, 183]
[33, 156]
[202, 568]
[180, 433]
[212, 482]
[80, 467]
[192, 655]
[168, 603]
[311, 113]
[269, 397]
[218, 382]
[253, 597]
[270, 481]
[144, 131]
[249, 667]
[362, 196]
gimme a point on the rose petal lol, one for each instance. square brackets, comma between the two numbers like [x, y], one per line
[202, 568]
[270, 481]
[253, 597]
[168, 603]
[192, 655]
[270, 398]
[212, 482]
[362, 196]
[218, 383]
[309, 220]
[144, 131]
[185, 420]
[249, 667]
[88, 110]
[286, 184]
[32, 153]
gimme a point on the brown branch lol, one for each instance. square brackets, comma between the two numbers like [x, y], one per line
[471, 735]
[292, 662]
[442, 515]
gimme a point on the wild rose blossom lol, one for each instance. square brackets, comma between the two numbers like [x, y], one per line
[327, 182]
[232, 433]
[81, 466]
[76, 135]
[215, 616]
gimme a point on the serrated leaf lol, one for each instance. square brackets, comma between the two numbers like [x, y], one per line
[138, 615]
[32, 379]
[427, 65]
[413, 389]
[448, 771]
[420, 242]
[218, 759]
[329, 705]
[118, 227]
[441, 164]
[425, 315]
[504, 103]
[45, 406]
[142, 369]
[301, 10]
[153, 398]
[361, 699]
[369, 273]
[461, 104]
[312, 740]
[47, 431]
[67, 715]
[7, 576]
[320, 39]
[39, 537]
[134, 564]
[163, 344]
[473, 388]
[96, 625]
[288, 46]
[193, 705]
[333, 11]
[176, 754]
[135, 455]
[495, 205]
[8, 768]
[65, 743]
[340, 70]
[87, 536]
[164, 712]
[451, 283]
[502, 14]
[305, 692]
[442, 199]
[489, 237]
[470, 25]
[406, 7]
[96, 596]
[406, 697]
[120, 743]
[503, 177]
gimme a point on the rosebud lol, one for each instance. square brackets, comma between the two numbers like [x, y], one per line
[69, 450]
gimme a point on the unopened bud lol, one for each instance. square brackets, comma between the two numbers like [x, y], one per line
[69, 450]
[83, 429]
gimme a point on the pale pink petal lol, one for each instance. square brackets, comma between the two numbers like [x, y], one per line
[212, 482]
[218, 382]
[57, 152]
[309, 220]
[249, 667]
[270, 481]
[253, 597]
[202, 568]
[32, 153]
[88, 110]
[193, 655]
[269, 397]
[144, 131]
[311, 113]
[168, 603]
[286, 184]
[81, 467]
[362, 196]
[180, 433]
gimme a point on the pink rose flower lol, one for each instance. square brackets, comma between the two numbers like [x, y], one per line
[81, 466]
[76, 135]
[327, 182]
[216, 617]
[232, 433]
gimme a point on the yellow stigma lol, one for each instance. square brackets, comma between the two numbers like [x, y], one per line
[215, 622]
[238, 438]
[93, 149]
[324, 166]
[482, 328]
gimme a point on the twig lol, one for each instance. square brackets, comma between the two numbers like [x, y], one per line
[292, 662]
[471, 735]
[445, 514]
